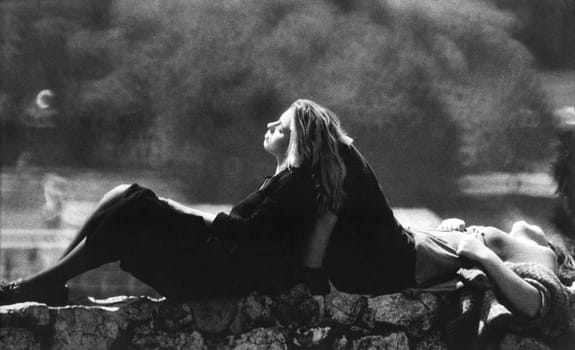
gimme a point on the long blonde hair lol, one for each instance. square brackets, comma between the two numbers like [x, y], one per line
[314, 142]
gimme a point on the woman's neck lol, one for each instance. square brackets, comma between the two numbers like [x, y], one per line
[282, 164]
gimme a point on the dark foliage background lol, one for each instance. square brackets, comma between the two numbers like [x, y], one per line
[429, 89]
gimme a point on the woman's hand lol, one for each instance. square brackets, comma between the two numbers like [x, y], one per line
[473, 249]
[208, 217]
[452, 224]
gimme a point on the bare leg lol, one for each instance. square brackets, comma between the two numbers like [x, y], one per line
[109, 198]
[311, 265]
[317, 240]
[73, 264]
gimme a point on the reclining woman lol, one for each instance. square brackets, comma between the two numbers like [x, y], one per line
[185, 253]
[365, 250]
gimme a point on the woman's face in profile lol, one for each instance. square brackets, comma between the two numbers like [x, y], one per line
[277, 137]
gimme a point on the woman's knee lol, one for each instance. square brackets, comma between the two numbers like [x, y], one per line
[114, 193]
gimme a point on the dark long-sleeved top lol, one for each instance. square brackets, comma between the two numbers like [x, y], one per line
[266, 229]
[255, 247]
[369, 252]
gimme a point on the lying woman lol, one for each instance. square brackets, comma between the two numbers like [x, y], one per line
[185, 253]
[506, 257]
[365, 250]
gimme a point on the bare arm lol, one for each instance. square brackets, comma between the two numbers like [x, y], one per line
[208, 217]
[523, 296]
[316, 244]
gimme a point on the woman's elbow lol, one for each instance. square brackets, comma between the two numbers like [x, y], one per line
[531, 312]
[533, 307]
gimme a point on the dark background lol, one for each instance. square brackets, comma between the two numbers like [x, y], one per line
[430, 90]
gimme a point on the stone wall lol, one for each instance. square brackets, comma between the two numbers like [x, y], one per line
[293, 320]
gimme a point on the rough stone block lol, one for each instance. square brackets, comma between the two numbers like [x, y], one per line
[146, 338]
[431, 341]
[17, 339]
[341, 343]
[293, 319]
[83, 327]
[345, 309]
[296, 307]
[252, 311]
[309, 337]
[516, 342]
[415, 314]
[140, 309]
[211, 316]
[29, 314]
[393, 341]
[258, 339]
[174, 316]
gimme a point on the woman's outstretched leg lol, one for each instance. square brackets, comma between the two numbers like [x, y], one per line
[73, 264]
[48, 285]
[50, 282]
[107, 200]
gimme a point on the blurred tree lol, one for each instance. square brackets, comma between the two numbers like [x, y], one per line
[564, 174]
[546, 27]
[428, 88]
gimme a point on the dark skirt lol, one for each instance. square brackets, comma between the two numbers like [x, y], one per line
[166, 249]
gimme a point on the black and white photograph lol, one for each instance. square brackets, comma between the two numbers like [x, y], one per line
[287, 174]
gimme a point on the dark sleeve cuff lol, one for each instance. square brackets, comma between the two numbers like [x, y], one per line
[316, 279]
